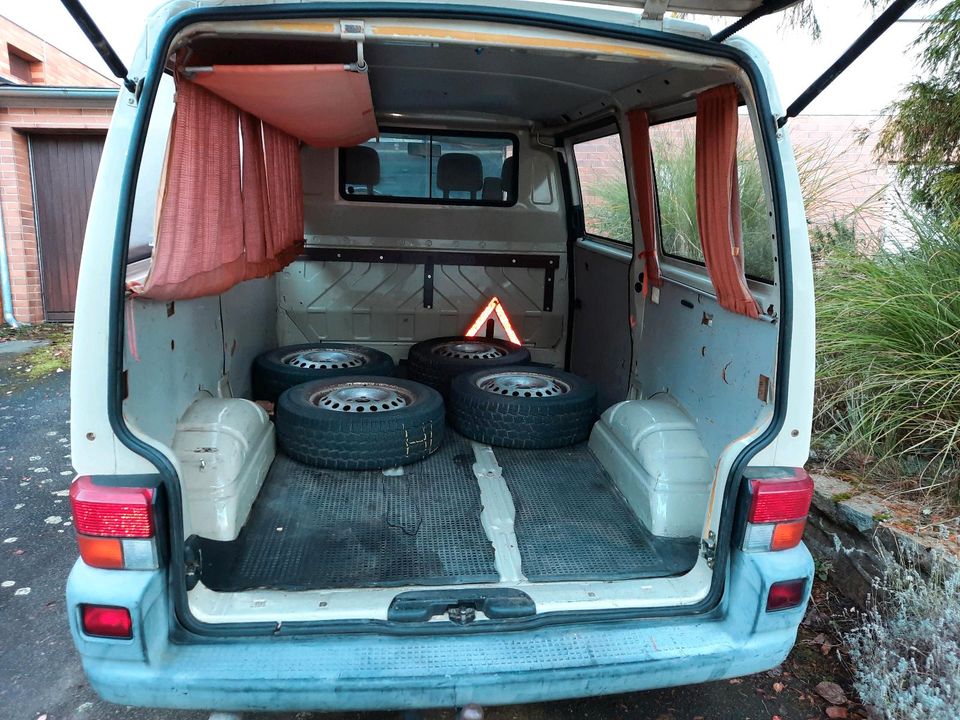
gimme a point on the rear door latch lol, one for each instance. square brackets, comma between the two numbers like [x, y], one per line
[462, 614]
[708, 548]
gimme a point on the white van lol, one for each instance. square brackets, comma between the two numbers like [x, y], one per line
[430, 354]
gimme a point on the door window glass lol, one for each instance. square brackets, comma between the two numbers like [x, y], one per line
[603, 188]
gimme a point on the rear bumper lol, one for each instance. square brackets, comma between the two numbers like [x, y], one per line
[375, 671]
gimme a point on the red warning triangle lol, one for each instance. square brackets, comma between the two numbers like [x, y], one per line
[495, 310]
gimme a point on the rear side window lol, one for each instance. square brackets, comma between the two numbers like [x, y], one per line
[603, 188]
[674, 161]
[433, 168]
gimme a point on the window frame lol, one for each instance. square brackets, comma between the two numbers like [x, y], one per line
[432, 134]
[765, 282]
[604, 130]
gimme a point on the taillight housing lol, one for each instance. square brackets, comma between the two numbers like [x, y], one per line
[116, 526]
[106, 621]
[775, 504]
[786, 594]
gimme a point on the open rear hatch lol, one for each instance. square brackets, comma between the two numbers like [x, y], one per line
[568, 527]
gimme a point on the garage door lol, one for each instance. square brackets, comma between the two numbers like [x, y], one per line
[64, 170]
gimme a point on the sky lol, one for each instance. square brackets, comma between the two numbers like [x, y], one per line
[865, 89]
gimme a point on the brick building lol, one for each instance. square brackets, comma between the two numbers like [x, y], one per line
[54, 112]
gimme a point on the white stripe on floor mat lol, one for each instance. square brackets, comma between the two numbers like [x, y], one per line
[498, 513]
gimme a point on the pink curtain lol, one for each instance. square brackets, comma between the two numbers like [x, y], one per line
[232, 202]
[645, 190]
[200, 244]
[256, 224]
[718, 198]
[281, 154]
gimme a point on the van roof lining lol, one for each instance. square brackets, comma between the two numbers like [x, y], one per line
[546, 88]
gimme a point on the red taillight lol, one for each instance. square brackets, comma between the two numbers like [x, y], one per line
[115, 525]
[787, 594]
[111, 511]
[106, 621]
[777, 513]
[776, 500]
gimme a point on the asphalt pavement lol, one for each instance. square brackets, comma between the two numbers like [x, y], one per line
[40, 673]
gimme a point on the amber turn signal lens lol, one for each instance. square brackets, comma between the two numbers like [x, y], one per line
[787, 535]
[99, 552]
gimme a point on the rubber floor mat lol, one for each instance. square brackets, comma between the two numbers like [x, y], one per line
[573, 524]
[312, 528]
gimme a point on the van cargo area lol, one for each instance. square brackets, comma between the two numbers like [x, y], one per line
[314, 528]
[482, 187]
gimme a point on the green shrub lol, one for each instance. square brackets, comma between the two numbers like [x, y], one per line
[610, 210]
[888, 325]
[821, 180]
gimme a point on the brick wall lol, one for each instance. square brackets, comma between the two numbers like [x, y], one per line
[854, 181]
[49, 66]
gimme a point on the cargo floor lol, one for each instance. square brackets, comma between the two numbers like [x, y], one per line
[312, 528]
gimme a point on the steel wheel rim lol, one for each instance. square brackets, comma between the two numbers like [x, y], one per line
[522, 384]
[469, 350]
[362, 397]
[321, 358]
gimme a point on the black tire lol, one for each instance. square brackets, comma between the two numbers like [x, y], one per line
[314, 428]
[436, 362]
[554, 409]
[273, 372]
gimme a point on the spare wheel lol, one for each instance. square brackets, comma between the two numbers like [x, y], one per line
[277, 370]
[359, 423]
[436, 362]
[524, 406]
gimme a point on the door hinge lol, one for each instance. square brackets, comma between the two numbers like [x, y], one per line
[708, 548]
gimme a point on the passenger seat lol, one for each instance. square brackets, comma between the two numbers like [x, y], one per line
[361, 166]
[460, 172]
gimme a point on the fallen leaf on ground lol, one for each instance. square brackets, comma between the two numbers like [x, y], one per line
[831, 692]
[736, 681]
[835, 711]
[778, 687]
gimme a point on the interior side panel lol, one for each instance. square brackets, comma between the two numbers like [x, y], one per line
[716, 364]
[249, 328]
[601, 323]
[176, 351]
